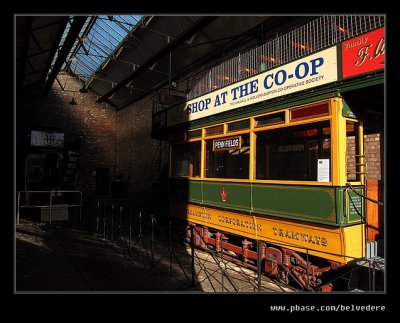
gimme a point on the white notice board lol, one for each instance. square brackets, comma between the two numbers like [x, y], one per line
[323, 170]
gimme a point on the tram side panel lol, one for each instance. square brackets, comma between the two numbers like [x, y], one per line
[313, 220]
[335, 206]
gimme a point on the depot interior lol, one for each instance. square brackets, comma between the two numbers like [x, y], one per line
[88, 88]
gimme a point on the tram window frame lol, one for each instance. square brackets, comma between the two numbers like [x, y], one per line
[277, 158]
[223, 164]
[353, 160]
[189, 167]
[270, 119]
[309, 111]
[238, 125]
[214, 130]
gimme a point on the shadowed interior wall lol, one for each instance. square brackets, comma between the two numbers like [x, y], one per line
[94, 123]
[140, 160]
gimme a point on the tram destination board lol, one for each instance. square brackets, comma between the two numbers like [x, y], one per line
[227, 143]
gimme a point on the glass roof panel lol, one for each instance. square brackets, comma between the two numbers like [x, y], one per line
[62, 40]
[98, 43]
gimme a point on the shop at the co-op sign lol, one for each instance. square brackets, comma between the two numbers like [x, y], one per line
[278, 78]
[310, 71]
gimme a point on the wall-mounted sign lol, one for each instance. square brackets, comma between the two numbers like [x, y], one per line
[227, 143]
[308, 72]
[47, 139]
[363, 54]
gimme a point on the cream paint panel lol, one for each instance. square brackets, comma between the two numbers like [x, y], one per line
[262, 87]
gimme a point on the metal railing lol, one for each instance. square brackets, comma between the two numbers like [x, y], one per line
[312, 37]
[51, 205]
[305, 40]
[160, 248]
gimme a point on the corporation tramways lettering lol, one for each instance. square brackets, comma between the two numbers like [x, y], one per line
[240, 223]
[304, 237]
[199, 214]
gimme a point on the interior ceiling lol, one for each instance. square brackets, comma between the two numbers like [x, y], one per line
[162, 49]
[36, 43]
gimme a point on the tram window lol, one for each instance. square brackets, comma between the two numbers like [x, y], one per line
[239, 125]
[232, 163]
[352, 151]
[270, 119]
[307, 112]
[292, 153]
[186, 159]
[194, 134]
[216, 130]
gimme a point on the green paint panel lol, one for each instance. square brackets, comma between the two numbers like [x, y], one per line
[346, 112]
[355, 211]
[195, 191]
[237, 195]
[351, 205]
[315, 204]
[340, 206]
[183, 190]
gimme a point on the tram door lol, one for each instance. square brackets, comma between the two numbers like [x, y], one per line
[368, 105]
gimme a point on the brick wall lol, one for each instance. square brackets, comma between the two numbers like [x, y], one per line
[138, 154]
[94, 123]
[119, 140]
[372, 152]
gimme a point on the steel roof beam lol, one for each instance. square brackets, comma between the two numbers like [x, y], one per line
[180, 39]
[27, 36]
[63, 24]
[85, 33]
[73, 33]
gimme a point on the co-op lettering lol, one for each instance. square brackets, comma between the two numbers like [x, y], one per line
[278, 78]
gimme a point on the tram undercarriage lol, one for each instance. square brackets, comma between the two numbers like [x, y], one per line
[286, 265]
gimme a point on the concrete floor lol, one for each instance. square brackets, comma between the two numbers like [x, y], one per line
[61, 258]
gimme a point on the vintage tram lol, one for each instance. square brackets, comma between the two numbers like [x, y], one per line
[286, 174]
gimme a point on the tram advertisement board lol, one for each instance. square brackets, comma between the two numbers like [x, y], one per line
[308, 72]
[363, 54]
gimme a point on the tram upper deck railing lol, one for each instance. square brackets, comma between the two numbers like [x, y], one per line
[312, 37]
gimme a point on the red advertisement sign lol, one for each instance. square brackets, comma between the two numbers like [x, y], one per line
[363, 54]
